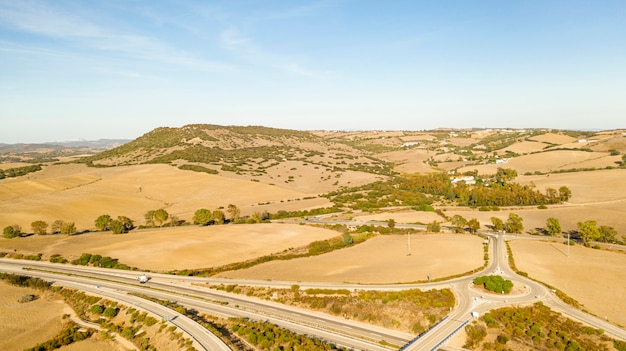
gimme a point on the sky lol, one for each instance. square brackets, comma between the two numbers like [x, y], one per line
[120, 68]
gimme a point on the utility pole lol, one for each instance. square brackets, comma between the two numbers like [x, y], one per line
[408, 238]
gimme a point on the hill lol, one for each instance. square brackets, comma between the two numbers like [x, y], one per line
[245, 150]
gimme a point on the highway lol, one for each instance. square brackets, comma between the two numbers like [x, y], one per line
[343, 332]
[188, 291]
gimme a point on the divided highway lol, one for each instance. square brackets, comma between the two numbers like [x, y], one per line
[187, 291]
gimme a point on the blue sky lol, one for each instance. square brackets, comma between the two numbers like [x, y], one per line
[118, 69]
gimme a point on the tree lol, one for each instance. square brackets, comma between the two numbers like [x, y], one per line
[39, 227]
[11, 231]
[504, 175]
[514, 223]
[391, 223]
[149, 217]
[588, 231]
[102, 222]
[175, 221]
[127, 223]
[497, 224]
[458, 223]
[202, 217]
[607, 234]
[564, 193]
[553, 227]
[117, 227]
[56, 226]
[259, 217]
[218, 217]
[68, 228]
[161, 216]
[234, 212]
[433, 227]
[473, 225]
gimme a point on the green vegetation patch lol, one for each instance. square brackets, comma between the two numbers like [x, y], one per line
[419, 309]
[18, 171]
[197, 168]
[535, 327]
[494, 283]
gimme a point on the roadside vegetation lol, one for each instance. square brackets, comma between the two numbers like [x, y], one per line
[143, 330]
[534, 327]
[243, 334]
[412, 311]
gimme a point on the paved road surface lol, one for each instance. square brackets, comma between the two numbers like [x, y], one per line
[338, 330]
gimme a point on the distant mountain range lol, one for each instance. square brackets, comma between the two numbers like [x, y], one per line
[101, 144]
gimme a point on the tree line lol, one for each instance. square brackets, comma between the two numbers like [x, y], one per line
[424, 189]
[18, 171]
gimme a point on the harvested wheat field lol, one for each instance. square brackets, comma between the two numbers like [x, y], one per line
[595, 278]
[526, 147]
[177, 248]
[408, 161]
[76, 193]
[409, 217]
[382, 259]
[27, 324]
[553, 138]
[548, 161]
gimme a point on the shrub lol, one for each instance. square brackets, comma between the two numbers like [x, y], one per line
[110, 312]
[11, 231]
[96, 309]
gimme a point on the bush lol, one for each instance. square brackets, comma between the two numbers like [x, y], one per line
[96, 309]
[11, 231]
[110, 312]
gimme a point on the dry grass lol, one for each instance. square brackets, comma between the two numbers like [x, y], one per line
[595, 278]
[177, 248]
[526, 147]
[382, 259]
[27, 324]
[548, 161]
[79, 194]
[92, 344]
[554, 138]
[409, 161]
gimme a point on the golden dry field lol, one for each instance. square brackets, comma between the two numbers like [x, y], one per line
[79, 194]
[382, 259]
[595, 278]
[549, 161]
[176, 248]
[25, 325]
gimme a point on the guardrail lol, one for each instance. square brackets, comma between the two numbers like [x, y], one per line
[449, 336]
[424, 333]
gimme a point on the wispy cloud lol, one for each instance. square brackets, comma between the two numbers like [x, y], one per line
[37, 18]
[233, 39]
[245, 48]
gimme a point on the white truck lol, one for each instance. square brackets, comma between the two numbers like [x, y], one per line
[475, 314]
[143, 278]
